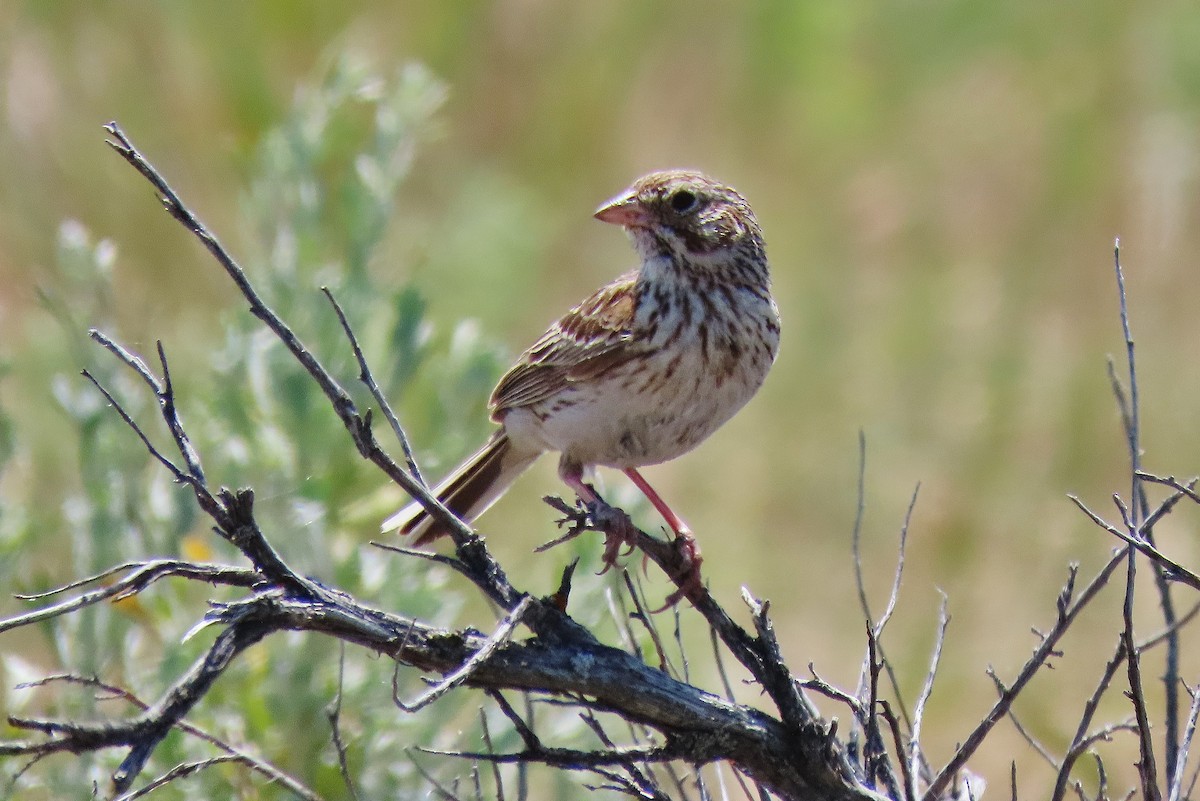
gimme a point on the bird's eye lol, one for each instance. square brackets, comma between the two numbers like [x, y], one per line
[683, 201]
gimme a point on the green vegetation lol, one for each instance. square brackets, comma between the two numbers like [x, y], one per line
[940, 185]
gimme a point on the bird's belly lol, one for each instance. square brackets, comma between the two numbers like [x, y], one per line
[642, 413]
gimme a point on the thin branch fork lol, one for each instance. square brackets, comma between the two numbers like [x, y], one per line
[142, 734]
[1081, 738]
[141, 575]
[230, 753]
[915, 758]
[1172, 569]
[1069, 607]
[358, 426]
[464, 671]
[233, 512]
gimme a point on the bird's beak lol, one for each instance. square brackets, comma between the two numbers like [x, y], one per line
[623, 210]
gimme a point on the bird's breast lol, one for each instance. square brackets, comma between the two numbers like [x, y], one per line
[698, 358]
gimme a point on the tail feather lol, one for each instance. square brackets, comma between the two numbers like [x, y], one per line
[467, 492]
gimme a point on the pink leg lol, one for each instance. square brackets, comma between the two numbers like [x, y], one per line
[688, 579]
[572, 476]
[677, 525]
[574, 480]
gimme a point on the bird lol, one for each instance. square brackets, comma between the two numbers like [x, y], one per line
[644, 369]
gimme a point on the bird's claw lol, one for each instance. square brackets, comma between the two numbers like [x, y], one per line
[618, 530]
[687, 578]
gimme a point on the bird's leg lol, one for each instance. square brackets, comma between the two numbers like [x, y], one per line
[688, 578]
[618, 530]
[677, 525]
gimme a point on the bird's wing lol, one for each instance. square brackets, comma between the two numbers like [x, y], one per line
[590, 339]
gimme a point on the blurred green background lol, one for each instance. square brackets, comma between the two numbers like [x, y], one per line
[940, 185]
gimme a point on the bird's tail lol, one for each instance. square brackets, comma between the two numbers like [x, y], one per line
[467, 492]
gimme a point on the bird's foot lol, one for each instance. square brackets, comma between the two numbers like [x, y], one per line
[680, 558]
[618, 530]
[687, 577]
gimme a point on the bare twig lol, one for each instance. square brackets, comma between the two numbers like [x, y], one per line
[793, 706]
[1103, 735]
[428, 556]
[234, 753]
[719, 660]
[142, 575]
[1162, 636]
[1173, 623]
[497, 780]
[487, 571]
[875, 660]
[1068, 609]
[860, 510]
[523, 729]
[232, 512]
[639, 780]
[1133, 425]
[334, 714]
[914, 744]
[1085, 722]
[469, 666]
[1187, 490]
[818, 684]
[885, 709]
[1173, 570]
[642, 615]
[894, 595]
[1170, 675]
[172, 468]
[875, 756]
[1147, 769]
[181, 771]
[143, 733]
[445, 793]
[365, 376]
[164, 391]
[1033, 742]
[1185, 743]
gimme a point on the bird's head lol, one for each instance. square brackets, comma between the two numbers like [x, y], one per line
[683, 213]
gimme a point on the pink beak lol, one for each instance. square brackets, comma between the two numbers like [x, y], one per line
[623, 210]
